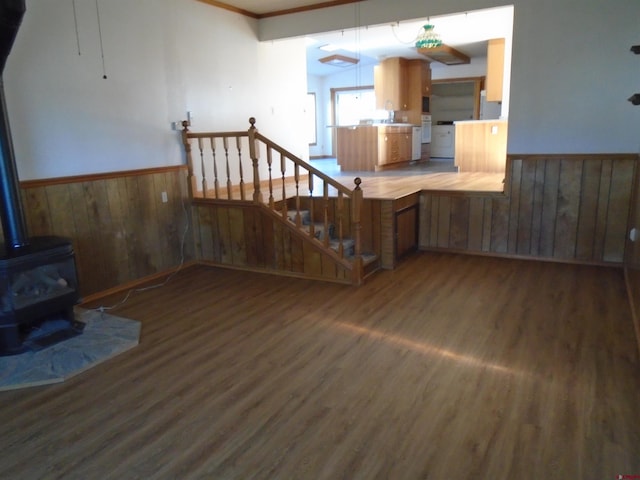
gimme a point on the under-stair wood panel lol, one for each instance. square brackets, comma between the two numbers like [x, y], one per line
[564, 207]
[120, 228]
[246, 236]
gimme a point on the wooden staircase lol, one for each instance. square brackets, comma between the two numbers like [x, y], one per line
[279, 221]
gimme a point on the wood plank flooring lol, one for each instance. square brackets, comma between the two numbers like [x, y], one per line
[375, 185]
[449, 366]
[383, 186]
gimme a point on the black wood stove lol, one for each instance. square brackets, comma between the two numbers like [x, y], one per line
[38, 279]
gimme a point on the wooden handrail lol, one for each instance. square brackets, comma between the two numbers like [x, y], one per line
[216, 156]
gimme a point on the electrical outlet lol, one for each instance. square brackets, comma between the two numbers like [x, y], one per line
[164, 197]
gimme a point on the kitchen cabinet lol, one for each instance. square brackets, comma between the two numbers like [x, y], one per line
[400, 85]
[373, 147]
[425, 78]
[419, 86]
[390, 84]
[495, 69]
[394, 145]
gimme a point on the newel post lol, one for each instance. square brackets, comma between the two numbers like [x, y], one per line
[191, 179]
[356, 209]
[255, 157]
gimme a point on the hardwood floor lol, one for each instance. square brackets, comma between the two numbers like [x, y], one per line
[435, 175]
[449, 366]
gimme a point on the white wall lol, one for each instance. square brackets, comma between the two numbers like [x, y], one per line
[571, 71]
[162, 58]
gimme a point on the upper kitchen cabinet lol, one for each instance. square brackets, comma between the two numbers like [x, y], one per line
[420, 72]
[495, 69]
[419, 86]
[390, 84]
[401, 84]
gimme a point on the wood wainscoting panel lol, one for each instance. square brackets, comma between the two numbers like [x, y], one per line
[121, 229]
[245, 236]
[571, 208]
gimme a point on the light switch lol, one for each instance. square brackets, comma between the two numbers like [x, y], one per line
[494, 130]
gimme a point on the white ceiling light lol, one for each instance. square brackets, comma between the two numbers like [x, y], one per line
[329, 47]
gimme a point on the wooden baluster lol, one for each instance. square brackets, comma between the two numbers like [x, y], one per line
[254, 153]
[272, 204]
[216, 183]
[191, 178]
[202, 169]
[356, 226]
[340, 211]
[239, 147]
[312, 230]
[225, 143]
[283, 170]
[325, 197]
[296, 174]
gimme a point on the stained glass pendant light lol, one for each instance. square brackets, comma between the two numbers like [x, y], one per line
[428, 38]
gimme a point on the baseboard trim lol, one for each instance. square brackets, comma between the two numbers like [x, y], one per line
[632, 305]
[568, 261]
[280, 273]
[125, 287]
[133, 284]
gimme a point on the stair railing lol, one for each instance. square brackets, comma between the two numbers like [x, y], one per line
[217, 173]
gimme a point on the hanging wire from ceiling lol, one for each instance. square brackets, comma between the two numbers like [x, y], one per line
[357, 40]
[75, 21]
[104, 70]
[394, 26]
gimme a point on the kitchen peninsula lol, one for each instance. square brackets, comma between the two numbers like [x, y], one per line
[374, 147]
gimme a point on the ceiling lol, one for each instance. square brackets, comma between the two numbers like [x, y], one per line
[467, 32]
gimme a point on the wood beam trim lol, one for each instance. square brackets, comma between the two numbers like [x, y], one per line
[308, 8]
[277, 13]
[44, 182]
[231, 8]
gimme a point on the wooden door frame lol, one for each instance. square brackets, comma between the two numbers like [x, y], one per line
[478, 85]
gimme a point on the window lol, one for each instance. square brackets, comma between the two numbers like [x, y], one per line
[353, 105]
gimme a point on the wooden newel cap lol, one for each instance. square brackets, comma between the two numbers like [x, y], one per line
[185, 124]
[357, 181]
[252, 121]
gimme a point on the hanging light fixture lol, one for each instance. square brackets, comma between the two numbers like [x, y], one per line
[428, 38]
